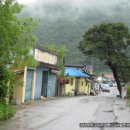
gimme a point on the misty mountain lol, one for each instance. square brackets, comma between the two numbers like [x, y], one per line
[65, 22]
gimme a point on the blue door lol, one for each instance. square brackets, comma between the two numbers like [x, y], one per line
[38, 86]
[44, 83]
[29, 79]
[51, 88]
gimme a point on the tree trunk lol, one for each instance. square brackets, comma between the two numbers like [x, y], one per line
[114, 70]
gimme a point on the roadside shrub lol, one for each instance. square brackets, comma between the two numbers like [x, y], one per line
[7, 79]
[6, 111]
[128, 92]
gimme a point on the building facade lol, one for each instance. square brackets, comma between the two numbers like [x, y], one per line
[39, 81]
[78, 82]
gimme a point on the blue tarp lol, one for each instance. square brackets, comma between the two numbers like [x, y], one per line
[74, 72]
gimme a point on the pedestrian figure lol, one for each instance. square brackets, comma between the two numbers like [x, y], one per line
[100, 87]
[75, 92]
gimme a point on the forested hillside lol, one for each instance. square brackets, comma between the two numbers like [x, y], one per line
[65, 22]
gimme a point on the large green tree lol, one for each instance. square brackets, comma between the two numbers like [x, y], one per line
[16, 39]
[16, 35]
[108, 42]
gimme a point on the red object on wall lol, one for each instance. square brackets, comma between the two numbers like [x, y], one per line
[63, 80]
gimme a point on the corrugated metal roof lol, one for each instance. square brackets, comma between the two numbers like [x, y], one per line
[74, 72]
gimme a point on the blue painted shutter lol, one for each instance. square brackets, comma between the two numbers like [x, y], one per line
[51, 88]
[28, 90]
[38, 86]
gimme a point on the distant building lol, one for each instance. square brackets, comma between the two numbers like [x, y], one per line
[84, 68]
[88, 69]
[78, 81]
[109, 75]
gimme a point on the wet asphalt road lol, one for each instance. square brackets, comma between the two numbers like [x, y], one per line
[66, 114]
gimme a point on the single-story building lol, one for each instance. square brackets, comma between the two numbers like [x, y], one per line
[78, 82]
[39, 81]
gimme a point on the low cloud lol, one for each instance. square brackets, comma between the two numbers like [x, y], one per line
[74, 9]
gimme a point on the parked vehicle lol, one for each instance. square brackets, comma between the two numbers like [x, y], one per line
[110, 84]
[105, 87]
[114, 84]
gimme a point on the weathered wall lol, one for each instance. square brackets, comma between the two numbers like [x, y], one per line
[18, 89]
[83, 86]
[69, 88]
[45, 57]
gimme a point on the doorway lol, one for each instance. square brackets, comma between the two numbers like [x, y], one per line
[44, 84]
[77, 84]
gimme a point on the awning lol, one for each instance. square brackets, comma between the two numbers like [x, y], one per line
[74, 72]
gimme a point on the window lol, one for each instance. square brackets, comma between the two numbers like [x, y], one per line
[82, 83]
[71, 81]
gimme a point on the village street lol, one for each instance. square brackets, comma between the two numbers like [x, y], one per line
[67, 112]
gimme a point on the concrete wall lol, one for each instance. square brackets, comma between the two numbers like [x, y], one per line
[88, 88]
[84, 88]
[45, 57]
[18, 89]
[70, 88]
[82, 85]
[20, 93]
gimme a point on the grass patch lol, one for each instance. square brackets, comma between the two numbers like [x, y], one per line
[128, 92]
[6, 111]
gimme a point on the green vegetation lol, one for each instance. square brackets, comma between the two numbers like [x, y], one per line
[60, 50]
[6, 111]
[68, 26]
[128, 92]
[16, 36]
[7, 79]
[108, 42]
[16, 40]
[65, 23]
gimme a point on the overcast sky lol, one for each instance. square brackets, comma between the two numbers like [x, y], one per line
[27, 1]
[74, 2]
[54, 9]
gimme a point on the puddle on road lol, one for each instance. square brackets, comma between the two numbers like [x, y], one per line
[117, 104]
[84, 101]
[101, 128]
[121, 108]
[114, 122]
[109, 111]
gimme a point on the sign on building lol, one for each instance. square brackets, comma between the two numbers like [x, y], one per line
[46, 57]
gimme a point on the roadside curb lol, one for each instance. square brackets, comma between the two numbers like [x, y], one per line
[31, 103]
[121, 110]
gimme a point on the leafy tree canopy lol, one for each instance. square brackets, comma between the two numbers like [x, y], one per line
[16, 40]
[16, 35]
[108, 42]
